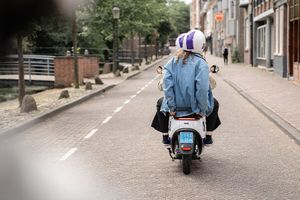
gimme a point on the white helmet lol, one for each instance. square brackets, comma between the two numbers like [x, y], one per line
[194, 41]
[179, 41]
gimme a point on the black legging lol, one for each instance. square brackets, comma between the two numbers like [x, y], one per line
[225, 59]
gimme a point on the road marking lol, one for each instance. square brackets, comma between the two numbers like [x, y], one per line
[68, 154]
[106, 120]
[133, 96]
[118, 109]
[91, 133]
[138, 92]
[142, 88]
[127, 101]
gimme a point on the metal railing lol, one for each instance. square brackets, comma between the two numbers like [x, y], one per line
[33, 65]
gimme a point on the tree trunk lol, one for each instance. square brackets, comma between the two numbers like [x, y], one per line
[132, 49]
[139, 49]
[21, 81]
[74, 32]
[146, 52]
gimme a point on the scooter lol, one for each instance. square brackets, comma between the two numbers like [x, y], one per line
[187, 136]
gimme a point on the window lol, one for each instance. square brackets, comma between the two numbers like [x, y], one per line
[261, 42]
[247, 34]
[231, 9]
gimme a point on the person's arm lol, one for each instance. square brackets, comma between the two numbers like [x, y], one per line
[202, 87]
[168, 84]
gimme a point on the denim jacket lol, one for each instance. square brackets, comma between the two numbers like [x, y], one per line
[186, 87]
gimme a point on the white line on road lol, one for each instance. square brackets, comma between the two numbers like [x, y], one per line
[68, 154]
[133, 96]
[127, 101]
[106, 120]
[118, 109]
[138, 91]
[91, 133]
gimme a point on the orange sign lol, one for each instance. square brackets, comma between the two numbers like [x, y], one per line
[219, 17]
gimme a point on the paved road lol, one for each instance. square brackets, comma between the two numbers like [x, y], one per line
[106, 149]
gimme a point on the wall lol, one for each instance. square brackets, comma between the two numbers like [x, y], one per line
[280, 67]
[64, 69]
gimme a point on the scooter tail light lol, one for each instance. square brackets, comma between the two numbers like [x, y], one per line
[186, 148]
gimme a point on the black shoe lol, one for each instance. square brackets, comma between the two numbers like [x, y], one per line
[166, 139]
[208, 140]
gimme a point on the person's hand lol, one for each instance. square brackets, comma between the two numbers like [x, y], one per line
[159, 70]
[172, 113]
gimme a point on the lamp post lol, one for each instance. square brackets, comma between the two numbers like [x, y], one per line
[116, 16]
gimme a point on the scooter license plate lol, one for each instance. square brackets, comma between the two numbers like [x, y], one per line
[186, 137]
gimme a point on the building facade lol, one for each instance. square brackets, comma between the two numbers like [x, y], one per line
[294, 40]
[195, 14]
[246, 12]
[263, 33]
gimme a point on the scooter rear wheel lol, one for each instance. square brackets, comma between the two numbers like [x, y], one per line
[186, 163]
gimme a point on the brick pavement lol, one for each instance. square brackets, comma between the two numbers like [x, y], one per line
[277, 94]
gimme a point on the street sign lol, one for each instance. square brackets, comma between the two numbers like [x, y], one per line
[219, 17]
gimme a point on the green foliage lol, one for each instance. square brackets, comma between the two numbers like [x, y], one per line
[153, 19]
[54, 31]
[164, 29]
[136, 17]
[179, 14]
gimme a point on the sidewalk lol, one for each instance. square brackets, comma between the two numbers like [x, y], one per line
[48, 103]
[276, 97]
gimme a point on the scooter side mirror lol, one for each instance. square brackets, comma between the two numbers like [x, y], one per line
[159, 70]
[214, 69]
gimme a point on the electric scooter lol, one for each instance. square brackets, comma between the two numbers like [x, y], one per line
[187, 136]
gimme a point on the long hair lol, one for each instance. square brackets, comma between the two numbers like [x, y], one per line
[182, 54]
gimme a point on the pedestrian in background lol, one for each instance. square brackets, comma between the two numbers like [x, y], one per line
[225, 55]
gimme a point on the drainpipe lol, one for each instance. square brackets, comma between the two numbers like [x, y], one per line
[254, 62]
[268, 43]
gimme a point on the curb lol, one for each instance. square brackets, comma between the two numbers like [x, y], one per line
[30, 122]
[286, 127]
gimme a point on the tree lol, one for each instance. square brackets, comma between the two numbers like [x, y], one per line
[164, 29]
[27, 31]
[21, 81]
[179, 15]
[74, 36]
[53, 35]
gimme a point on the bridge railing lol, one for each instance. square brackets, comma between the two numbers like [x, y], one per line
[33, 65]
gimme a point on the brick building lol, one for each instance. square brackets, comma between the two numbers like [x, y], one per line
[246, 12]
[265, 33]
[294, 39]
[195, 8]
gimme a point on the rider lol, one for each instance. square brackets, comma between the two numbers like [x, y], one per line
[186, 85]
